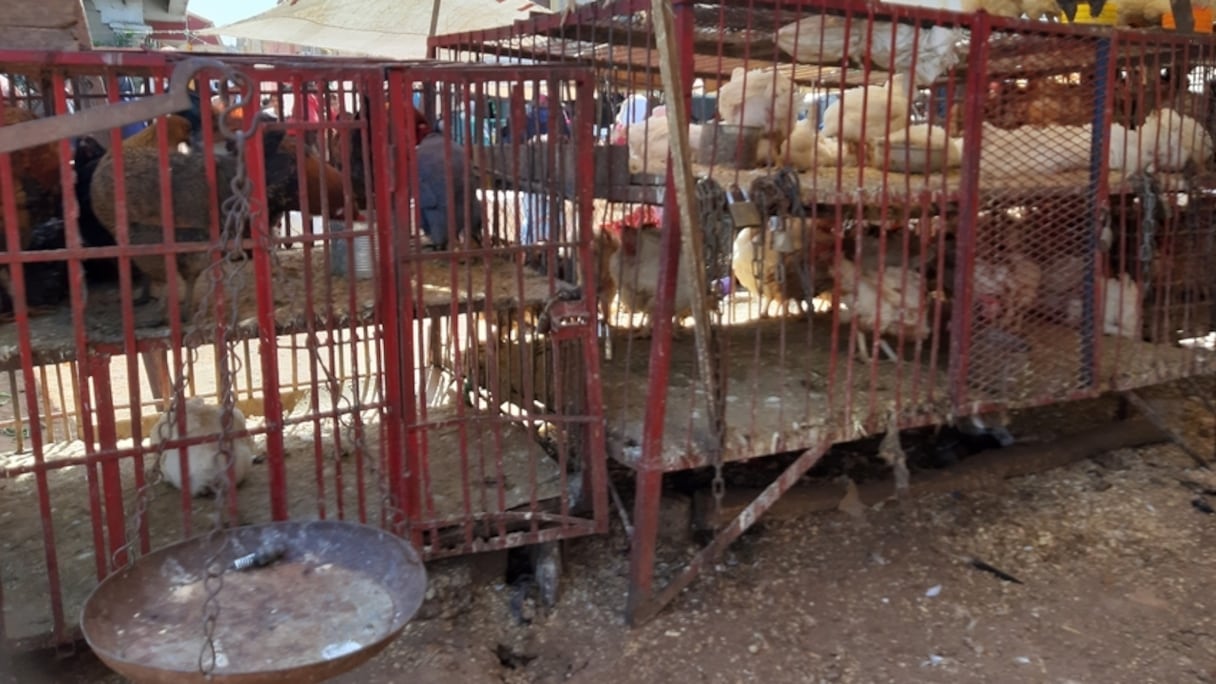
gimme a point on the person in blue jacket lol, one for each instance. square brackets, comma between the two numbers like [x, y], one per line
[433, 174]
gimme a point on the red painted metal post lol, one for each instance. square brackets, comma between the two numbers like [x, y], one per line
[403, 465]
[649, 478]
[263, 244]
[594, 403]
[968, 201]
[396, 354]
[111, 475]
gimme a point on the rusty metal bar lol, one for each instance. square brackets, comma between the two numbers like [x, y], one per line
[692, 244]
[973, 116]
[117, 115]
[746, 518]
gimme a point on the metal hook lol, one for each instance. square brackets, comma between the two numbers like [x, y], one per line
[54, 128]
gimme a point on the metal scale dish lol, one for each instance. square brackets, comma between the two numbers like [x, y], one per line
[335, 597]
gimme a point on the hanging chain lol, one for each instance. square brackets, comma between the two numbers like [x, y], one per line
[236, 211]
[718, 230]
[165, 427]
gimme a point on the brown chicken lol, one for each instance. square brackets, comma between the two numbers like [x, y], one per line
[37, 187]
[179, 132]
[319, 176]
[193, 206]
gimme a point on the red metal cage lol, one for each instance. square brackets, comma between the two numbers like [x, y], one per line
[355, 288]
[957, 214]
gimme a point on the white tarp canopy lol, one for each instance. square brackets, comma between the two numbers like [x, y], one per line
[395, 29]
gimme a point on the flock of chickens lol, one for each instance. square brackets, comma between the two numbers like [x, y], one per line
[854, 128]
[297, 179]
[790, 260]
[893, 281]
[41, 222]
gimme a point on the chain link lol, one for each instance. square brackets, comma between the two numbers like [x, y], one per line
[1149, 199]
[718, 228]
[236, 212]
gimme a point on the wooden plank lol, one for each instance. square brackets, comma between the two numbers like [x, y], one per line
[27, 38]
[982, 472]
[43, 25]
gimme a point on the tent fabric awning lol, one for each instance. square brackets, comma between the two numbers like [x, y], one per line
[395, 29]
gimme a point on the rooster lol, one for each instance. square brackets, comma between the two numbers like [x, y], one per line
[761, 98]
[320, 178]
[1006, 290]
[37, 190]
[894, 303]
[629, 252]
[192, 205]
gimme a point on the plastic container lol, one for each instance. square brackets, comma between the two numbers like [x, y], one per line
[906, 158]
[1203, 20]
[1109, 15]
[364, 251]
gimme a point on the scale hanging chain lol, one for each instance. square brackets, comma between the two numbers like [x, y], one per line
[718, 230]
[164, 430]
[154, 476]
[236, 211]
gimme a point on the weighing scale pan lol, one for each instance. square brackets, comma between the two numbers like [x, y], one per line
[337, 594]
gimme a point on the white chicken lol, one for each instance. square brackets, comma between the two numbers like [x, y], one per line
[1006, 290]
[868, 113]
[650, 140]
[204, 461]
[1167, 140]
[895, 304]
[807, 147]
[1122, 310]
[1035, 149]
[778, 252]
[761, 98]
[629, 272]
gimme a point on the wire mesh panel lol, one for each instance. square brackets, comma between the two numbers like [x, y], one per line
[1064, 282]
[1157, 287]
[1027, 319]
[826, 142]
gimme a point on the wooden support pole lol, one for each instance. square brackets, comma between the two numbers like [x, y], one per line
[692, 244]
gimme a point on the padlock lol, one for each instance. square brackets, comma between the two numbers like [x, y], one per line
[743, 213]
[782, 243]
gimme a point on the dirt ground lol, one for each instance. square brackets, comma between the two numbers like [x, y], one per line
[1113, 556]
